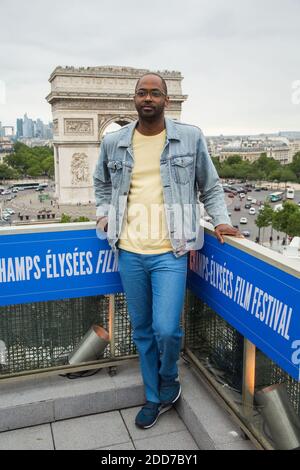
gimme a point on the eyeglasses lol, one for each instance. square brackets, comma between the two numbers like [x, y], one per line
[153, 93]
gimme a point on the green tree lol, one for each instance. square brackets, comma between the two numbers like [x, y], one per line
[287, 174]
[7, 173]
[234, 159]
[293, 226]
[81, 219]
[65, 219]
[48, 166]
[264, 219]
[32, 162]
[295, 166]
[281, 218]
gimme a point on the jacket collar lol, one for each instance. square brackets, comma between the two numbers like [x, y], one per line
[127, 135]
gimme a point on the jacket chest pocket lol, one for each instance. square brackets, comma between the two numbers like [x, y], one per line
[182, 169]
[115, 169]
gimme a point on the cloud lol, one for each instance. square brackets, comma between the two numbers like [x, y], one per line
[238, 58]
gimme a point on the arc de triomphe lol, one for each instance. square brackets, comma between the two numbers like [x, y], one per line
[85, 101]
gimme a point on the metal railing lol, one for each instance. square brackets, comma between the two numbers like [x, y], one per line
[38, 337]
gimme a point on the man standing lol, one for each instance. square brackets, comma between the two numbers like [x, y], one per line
[147, 182]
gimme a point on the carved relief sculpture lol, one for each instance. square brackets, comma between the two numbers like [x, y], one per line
[78, 126]
[79, 169]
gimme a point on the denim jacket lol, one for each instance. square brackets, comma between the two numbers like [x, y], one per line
[186, 171]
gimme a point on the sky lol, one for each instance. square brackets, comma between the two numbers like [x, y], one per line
[240, 59]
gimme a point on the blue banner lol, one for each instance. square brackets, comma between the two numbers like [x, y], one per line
[261, 301]
[44, 266]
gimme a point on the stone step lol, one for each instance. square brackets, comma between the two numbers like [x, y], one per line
[38, 400]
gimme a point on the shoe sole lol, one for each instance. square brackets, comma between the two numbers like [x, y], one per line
[175, 399]
[161, 411]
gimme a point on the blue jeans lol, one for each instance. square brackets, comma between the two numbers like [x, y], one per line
[155, 289]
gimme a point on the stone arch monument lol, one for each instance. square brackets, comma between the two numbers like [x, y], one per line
[85, 101]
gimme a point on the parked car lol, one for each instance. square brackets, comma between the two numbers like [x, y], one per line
[254, 201]
[232, 189]
[237, 208]
[235, 226]
[252, 211]
[249, 198]
[242, 195]
[248, 205]
[243, 220]
[246, 233]
[230, 195]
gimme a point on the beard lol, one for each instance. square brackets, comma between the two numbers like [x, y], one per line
[154, 113]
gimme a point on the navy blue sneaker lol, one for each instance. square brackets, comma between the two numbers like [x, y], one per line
[170, 391]
[148, 415]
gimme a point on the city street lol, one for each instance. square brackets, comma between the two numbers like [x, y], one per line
[260, 196]
[27, 204]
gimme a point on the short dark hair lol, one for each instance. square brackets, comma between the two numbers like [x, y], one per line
[164, 84]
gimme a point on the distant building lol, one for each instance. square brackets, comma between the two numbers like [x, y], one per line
[39, 129]
[250, 154]
[6, 146]
[38, 142]
[294, 148]
[280, 152]
[279, 147]
[9, 131]
[27, 127]
[48, 131]
[30, 129]
[19, 128]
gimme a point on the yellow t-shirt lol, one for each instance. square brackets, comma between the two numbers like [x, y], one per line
[144, 228]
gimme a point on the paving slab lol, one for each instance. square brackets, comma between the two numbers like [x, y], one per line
[34, 438]
[166, 423]
[90, 432]
[181, 440]
[22, 416]
[210, 424]
[126, 446]
[241, 445]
